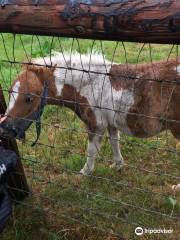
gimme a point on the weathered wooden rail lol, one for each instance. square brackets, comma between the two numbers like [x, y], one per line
[155, 21]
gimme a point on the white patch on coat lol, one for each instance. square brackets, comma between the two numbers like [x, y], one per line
[13, 96]
[110, 106]
[177, 69]
[118, 104]
[122, 108]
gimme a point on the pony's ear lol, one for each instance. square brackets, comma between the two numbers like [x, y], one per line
[53, 68]
[34, 68]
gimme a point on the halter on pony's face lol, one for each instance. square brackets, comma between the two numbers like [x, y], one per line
[27, 100]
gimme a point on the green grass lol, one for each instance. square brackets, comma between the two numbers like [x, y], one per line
[64, 204]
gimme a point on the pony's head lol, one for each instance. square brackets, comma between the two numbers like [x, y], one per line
[27, 97]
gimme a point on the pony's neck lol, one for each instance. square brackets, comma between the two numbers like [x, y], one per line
[52, 92]
[47, 79]
[66, 95]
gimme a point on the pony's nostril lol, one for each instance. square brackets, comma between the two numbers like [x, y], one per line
[8, 126]
[14, 130]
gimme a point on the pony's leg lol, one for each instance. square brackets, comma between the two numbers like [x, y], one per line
[114, 141]
[93, 147]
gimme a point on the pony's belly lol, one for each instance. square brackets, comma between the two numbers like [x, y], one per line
[144, 126]
[134, 124]
[142, 129]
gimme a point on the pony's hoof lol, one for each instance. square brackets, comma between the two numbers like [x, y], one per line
[85, 172]
[117, 166]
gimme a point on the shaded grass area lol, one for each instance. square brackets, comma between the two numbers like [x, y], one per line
[65, 205]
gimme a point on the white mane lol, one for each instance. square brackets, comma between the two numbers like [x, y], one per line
[83, 81]
[94, 61]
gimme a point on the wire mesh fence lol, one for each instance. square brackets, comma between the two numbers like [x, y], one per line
[104, 204]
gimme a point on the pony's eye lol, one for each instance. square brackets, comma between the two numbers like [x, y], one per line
[29, 99]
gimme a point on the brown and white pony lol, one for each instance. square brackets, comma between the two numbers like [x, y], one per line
[136, 99]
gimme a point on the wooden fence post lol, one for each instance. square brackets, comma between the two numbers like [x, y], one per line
[17, 183]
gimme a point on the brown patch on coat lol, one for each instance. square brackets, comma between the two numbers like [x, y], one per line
[121, 76]
[153, 101]
[72, 99]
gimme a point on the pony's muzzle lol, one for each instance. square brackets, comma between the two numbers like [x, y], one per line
[2, 119]
[7, 129]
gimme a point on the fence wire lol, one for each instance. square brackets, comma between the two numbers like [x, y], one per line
[106, 204]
